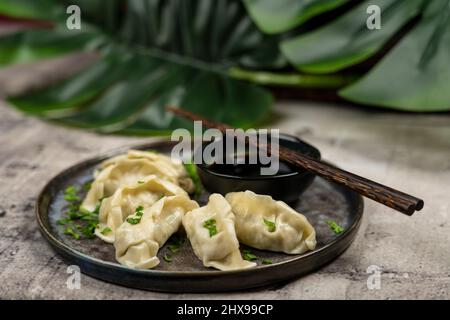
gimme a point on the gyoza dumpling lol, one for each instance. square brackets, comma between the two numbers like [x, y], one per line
[125, 200]
[139, 154]
[172, 167]
[122, 173]
[210, 230]
[141, 235]
[264, 223]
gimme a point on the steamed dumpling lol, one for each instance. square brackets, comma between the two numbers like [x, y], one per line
[127, 171]
[125, 200]
[172, 167]
[266, 224]
[138, 154]
[210, 230]
[139, 239]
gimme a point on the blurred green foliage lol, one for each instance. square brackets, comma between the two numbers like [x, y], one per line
[216, 57]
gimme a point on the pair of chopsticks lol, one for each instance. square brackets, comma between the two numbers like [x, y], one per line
[388, 196]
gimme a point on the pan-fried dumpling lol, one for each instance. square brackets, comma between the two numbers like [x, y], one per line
[125, 200]
[172, 167]
[122, 173]
[264, 223]
[141, 235]
[210, 230]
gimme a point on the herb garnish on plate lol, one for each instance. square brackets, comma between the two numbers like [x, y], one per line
[79, 223]
[337, 229]
[176, 243]
[249, 256]
[167, 257]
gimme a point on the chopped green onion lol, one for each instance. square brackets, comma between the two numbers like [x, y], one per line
[175, 244]
[337, 229]
[70, 194]
[69, 231]
[211, 226]
[174, 248]
[139, 213]
[271, 226]
[89, 229]
[88, 220]
[248, 255]
[133, 220]
[106, 230]
[167, 257]
[63, 222]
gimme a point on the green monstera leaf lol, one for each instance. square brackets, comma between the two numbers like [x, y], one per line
[34, 45]
[282, 15]
[152, 53]
[42, 9]
[412, 76]
[416, 74]
[217, 57]
[347, 41]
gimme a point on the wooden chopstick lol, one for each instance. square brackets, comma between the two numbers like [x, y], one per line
[395, 199]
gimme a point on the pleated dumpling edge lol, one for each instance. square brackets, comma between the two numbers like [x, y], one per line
[267, 224]
[140, 236]
[211, 232]
[125, 200]
[130, 168]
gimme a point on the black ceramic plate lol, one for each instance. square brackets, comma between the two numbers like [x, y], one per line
[321, 202]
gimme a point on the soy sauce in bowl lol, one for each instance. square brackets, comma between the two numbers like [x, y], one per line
[244, 169]
[287, 184]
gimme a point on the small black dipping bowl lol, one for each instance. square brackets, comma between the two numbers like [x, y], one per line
[287, 185]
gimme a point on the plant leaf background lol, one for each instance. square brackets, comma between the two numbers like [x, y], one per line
[222, 58]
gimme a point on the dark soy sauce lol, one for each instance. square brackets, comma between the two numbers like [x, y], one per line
[242, 168]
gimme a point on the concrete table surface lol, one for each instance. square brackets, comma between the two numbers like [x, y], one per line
[408, 152]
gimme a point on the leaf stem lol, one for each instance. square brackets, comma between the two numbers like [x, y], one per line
[292, 79]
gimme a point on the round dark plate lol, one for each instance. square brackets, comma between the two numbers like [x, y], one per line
[321, 202]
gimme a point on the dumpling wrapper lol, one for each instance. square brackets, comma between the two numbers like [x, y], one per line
[137, 244]
[220, 251]
[172, 167]
[115, 209]
[293, 233]
[126, 171]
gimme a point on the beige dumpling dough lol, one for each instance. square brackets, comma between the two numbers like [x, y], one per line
[128, 169]
[263, 223]
[125, 200]
[172, 167]
[137, 244]
[221, 250]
